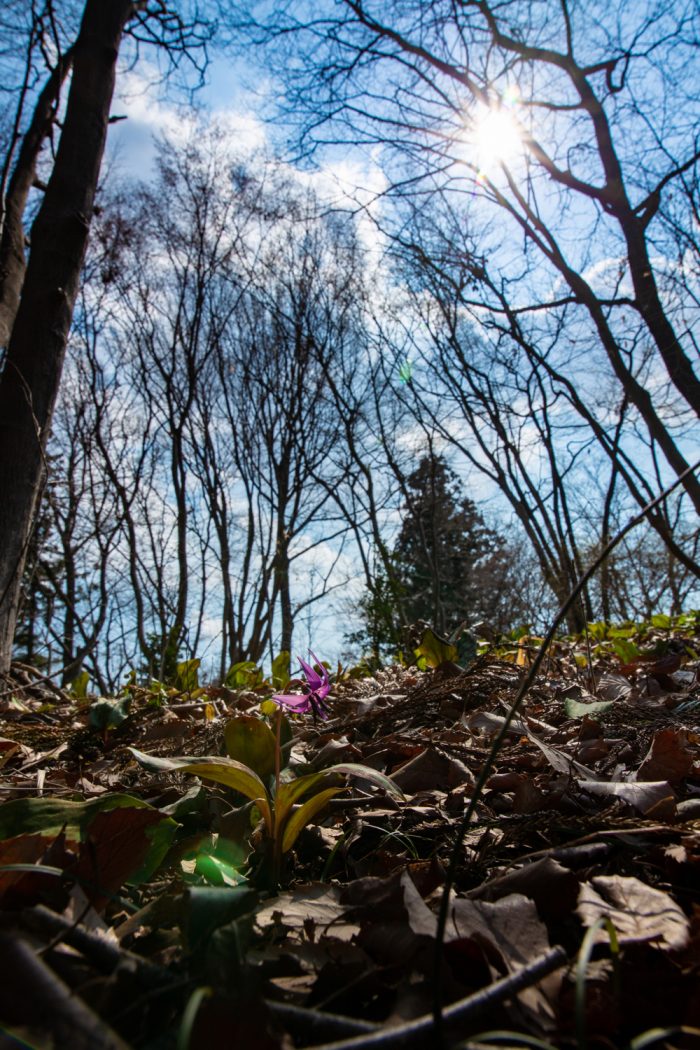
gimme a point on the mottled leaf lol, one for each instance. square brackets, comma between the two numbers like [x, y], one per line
[250, 741]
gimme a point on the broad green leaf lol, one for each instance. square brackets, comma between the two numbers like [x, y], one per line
[250, 741]
[662, 621]
[79, 685]
[281, 670]
[301, 817]
[208, 907]
[224, 771]
[597, 630]
[355, 769]
[435, 651]
[245, 674]
[625, 650]
[575, 709]
[216, 871]
[24, 816]
[128, 849]
[186, 676]
[624, 631]
[108, 714]
[293, 790]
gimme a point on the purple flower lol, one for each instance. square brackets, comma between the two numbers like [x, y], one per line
[316, 689]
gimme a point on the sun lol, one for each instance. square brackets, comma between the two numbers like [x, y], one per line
[496, 138]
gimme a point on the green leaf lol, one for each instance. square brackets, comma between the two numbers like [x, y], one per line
[294, 790]
[82, 819]
[435, 651]
[597, 631]
[224, 771]
[281, 669]
[624, 631]
[209, 907]
[79, 685]
[244, 675]
[186, 676]
[626, 651]
[29, 815]
[291, 791]
[250, 741]
[108, 714]
[657, 1035]
[301, 817]
[662, 621]
[355, 769]
[217, 872]
[575, 709]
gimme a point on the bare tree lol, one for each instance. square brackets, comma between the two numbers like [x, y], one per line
[39, 329]
[220, 309]
[580, 222]
[529, 428]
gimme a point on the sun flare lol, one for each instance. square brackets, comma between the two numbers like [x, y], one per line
[496, 138]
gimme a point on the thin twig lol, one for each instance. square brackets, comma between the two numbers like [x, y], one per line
[414, 1032]
[102, 953]
[306, 1023]
[27, 979]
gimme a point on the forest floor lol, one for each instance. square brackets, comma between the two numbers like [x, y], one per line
[575, 915]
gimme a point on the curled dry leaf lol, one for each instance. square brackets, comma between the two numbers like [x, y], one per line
[650, 799]
[637, 911]
[670, 757]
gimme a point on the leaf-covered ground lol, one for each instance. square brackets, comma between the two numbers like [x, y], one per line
[575, 917]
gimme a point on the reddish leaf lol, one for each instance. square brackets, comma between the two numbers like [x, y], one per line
[669, 757]
[23, 888]
[116, 846]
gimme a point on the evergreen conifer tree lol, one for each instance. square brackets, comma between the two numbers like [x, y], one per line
[448, 566]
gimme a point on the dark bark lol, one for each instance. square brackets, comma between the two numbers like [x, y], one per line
[12, 242]
[32, 373]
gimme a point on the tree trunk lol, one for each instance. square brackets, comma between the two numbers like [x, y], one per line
[32, 373]
[12, 246]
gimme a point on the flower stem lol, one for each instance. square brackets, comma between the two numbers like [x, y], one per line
[277, 831]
